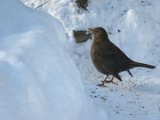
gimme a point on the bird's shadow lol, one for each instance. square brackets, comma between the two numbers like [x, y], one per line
[148, 88]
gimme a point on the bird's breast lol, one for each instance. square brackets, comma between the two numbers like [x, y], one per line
[97, 58]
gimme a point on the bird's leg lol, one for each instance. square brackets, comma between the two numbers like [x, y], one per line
[103, 82]
[110, 81]
[107, 81]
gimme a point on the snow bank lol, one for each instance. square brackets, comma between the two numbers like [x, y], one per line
[38, 79]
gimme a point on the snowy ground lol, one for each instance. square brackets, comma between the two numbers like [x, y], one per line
[129, 100]
[138, 21]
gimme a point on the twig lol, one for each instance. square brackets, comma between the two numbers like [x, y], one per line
[42, 4]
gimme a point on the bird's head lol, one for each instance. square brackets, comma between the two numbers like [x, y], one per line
[98, 32]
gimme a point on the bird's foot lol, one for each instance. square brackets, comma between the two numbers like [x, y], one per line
[110, 81]
[102, 84]
[106, 81]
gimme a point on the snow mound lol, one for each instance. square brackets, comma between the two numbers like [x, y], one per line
[38, 79]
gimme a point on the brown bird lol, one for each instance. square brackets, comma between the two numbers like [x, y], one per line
[108, 58]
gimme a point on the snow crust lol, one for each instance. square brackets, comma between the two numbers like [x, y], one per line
[38, 78]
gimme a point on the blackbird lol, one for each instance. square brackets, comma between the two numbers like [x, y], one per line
[108, 58]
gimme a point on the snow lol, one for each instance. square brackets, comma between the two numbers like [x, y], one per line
[38, 78]
[138, 23]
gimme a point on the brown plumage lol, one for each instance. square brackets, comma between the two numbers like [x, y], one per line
[108, 58]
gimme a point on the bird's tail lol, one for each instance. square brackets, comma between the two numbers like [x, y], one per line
[137, 64]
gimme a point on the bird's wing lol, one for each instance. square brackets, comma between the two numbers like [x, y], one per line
[108, 63]
[114, 58]
[106, 59]
[129, 72]
[119, 57]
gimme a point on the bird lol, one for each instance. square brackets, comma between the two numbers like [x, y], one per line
[108, 59]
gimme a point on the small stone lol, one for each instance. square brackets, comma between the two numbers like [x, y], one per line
[119, 30]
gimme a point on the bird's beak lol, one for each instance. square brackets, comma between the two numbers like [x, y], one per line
[91, 30]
